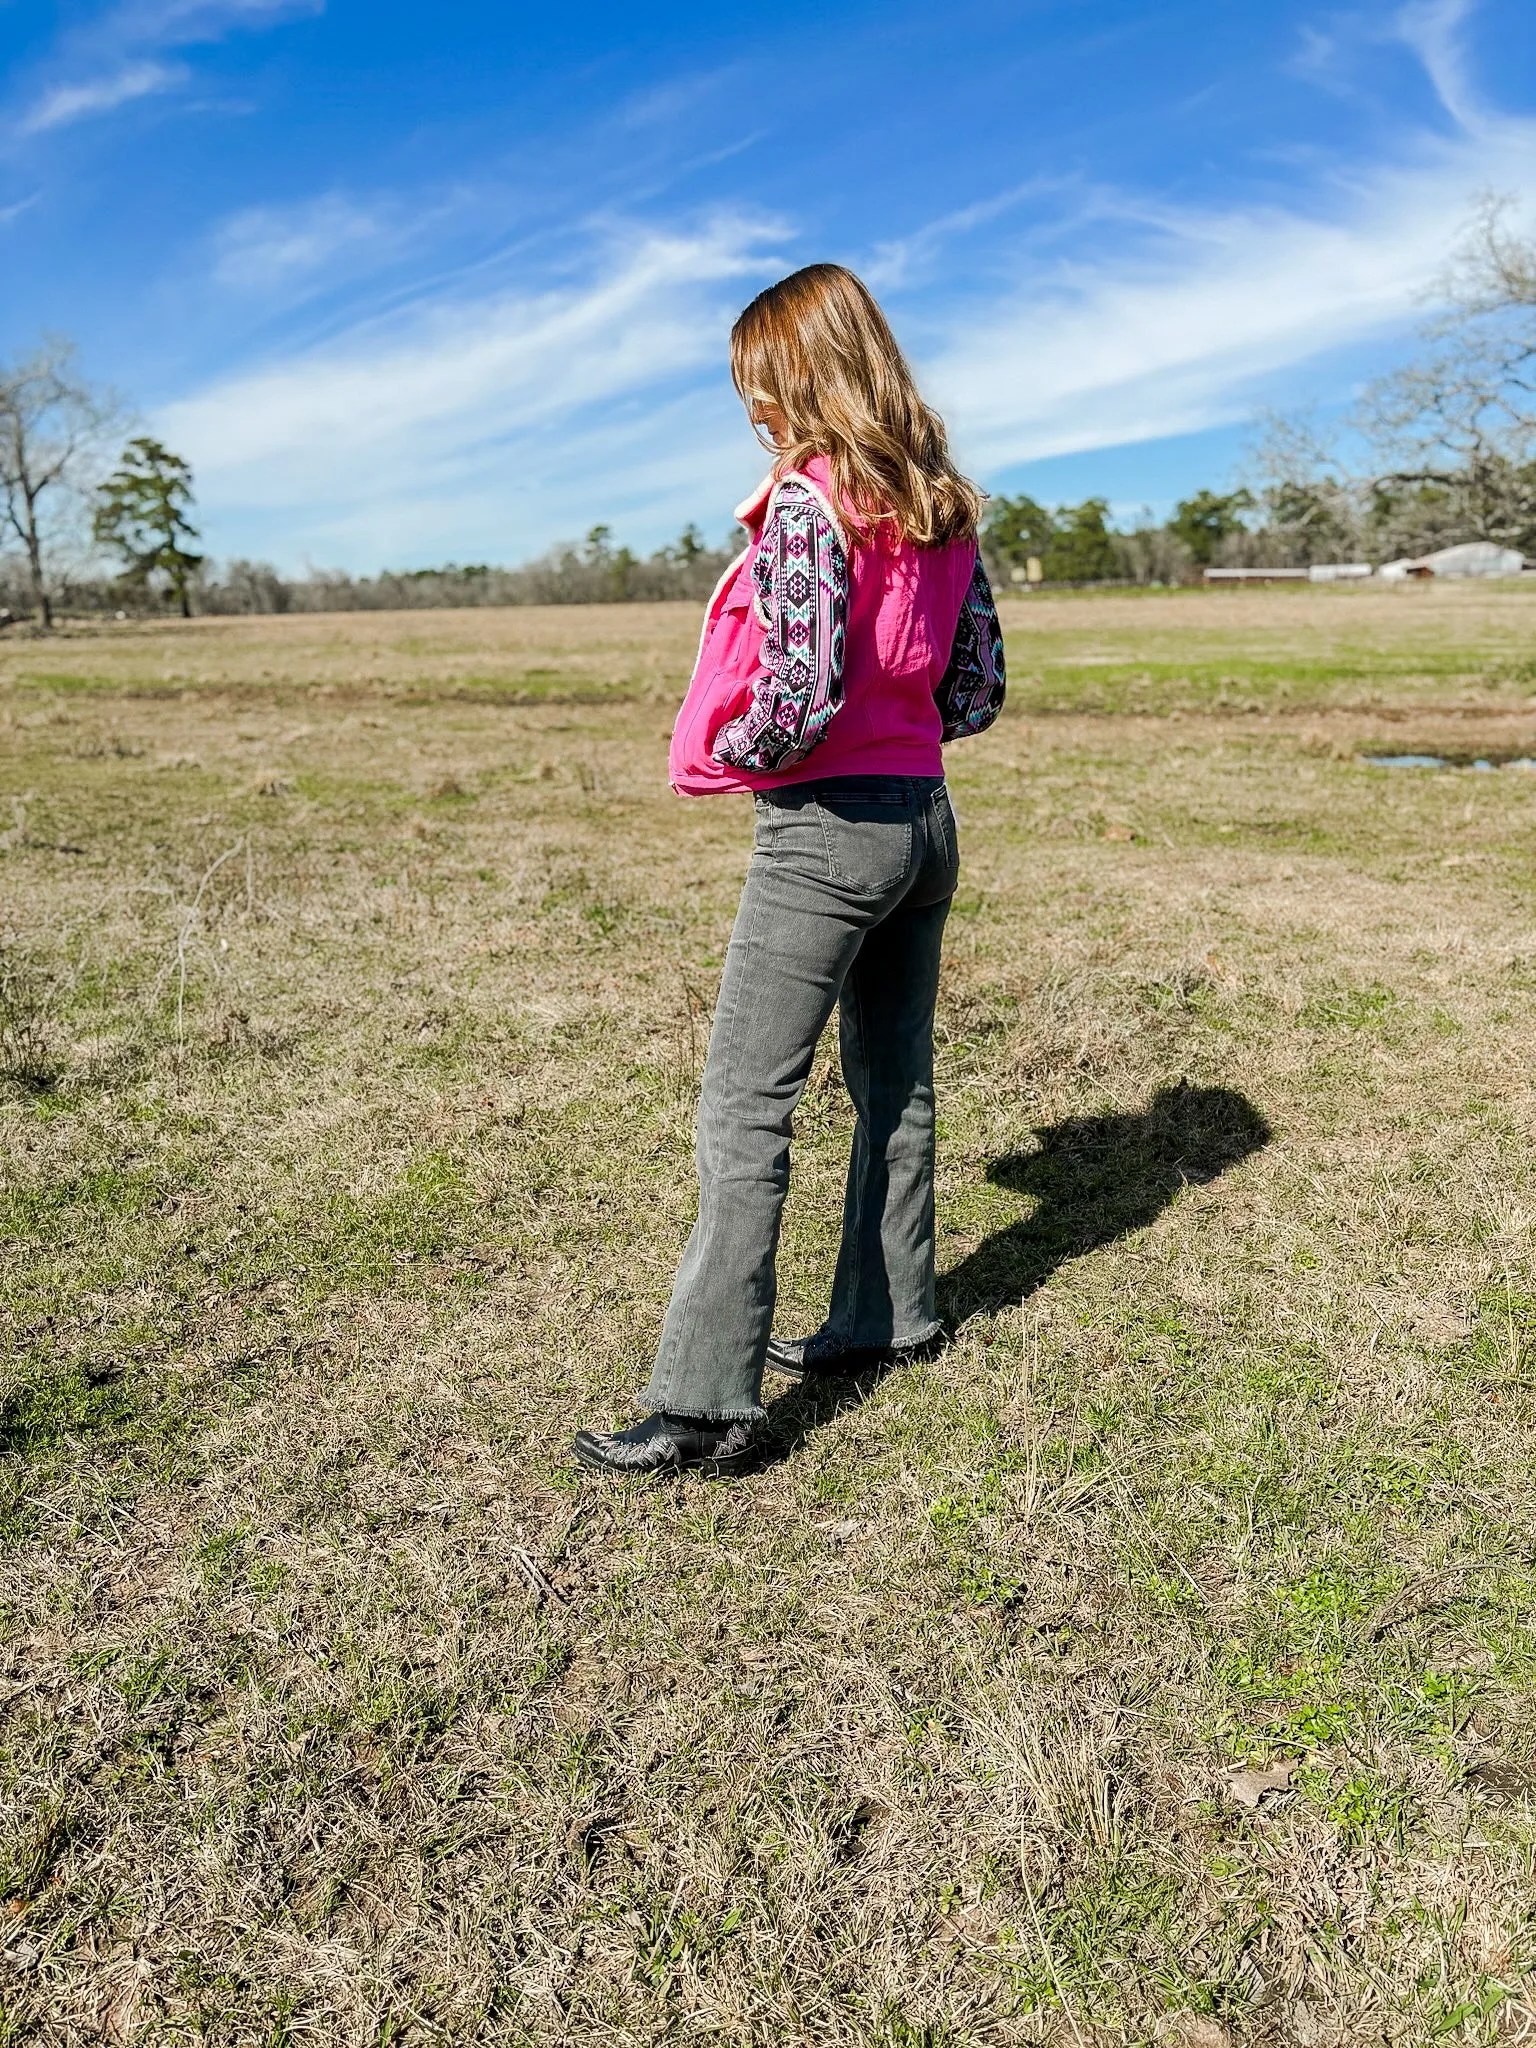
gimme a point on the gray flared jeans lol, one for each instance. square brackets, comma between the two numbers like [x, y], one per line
[844, 903]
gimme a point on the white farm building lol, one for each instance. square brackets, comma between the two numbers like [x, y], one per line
[1472, 558]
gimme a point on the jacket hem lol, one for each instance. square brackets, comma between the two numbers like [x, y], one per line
[926, 759]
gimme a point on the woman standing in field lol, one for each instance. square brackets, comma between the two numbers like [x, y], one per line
[855, 635]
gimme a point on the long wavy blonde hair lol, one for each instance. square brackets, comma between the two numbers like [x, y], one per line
[818, 347]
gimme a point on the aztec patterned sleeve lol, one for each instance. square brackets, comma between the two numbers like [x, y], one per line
[970, 694]
[800, 585]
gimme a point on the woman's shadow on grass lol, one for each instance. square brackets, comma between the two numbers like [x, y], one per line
[1095, 1179]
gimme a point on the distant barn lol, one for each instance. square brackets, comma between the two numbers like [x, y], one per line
[1472, 558]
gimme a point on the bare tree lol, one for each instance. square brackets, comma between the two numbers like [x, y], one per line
[1450, 438]
[54, 431]
[1313, 505]
[1455, 432]
[1493, 268]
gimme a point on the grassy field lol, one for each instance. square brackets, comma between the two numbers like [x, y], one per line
[1155, 1666]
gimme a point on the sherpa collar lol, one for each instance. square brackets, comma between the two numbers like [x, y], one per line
[755, 511]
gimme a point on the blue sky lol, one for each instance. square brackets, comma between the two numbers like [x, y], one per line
[418, 282]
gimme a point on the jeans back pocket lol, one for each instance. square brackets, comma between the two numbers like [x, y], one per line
[868, 840]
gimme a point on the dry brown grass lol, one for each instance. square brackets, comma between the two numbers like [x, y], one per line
[530, 653]
[353, 989]
[1111, 650]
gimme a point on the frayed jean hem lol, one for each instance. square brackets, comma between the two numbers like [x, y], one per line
[656, 1401]
[830, 1333]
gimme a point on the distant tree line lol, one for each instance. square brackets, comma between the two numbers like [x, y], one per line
[164, 574]
[593, 571]
[1025, 542]
[1441, 451]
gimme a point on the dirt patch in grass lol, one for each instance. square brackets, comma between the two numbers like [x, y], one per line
[1156, 1664]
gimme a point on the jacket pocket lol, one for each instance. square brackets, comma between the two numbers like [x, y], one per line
[904, 636]
[733, 654]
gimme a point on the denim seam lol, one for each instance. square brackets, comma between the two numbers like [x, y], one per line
[951, 852]
[856, 1289]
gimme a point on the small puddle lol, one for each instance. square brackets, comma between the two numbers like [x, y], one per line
[1485, 763]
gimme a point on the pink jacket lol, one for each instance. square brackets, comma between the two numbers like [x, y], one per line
[826, 654]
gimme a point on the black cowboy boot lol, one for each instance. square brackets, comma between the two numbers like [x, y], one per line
[670, 1443]
[805, 1358]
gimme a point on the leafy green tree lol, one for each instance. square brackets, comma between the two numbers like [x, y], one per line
[1082, 548]
[1015, 529]
[1204, 521]
[688, 546]
[141, 511]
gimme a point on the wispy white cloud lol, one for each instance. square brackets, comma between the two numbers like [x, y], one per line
[1318, 57]
[1430, 29]
[1140, 351]
[170, 24]
[488, 421]
[491, 425]
[1342, 53]
[663, 106]
[60, 105]
[1186, 325]
[120, 56]
[268, 248]
[907, 260]
[647, 469]
[447, 404]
